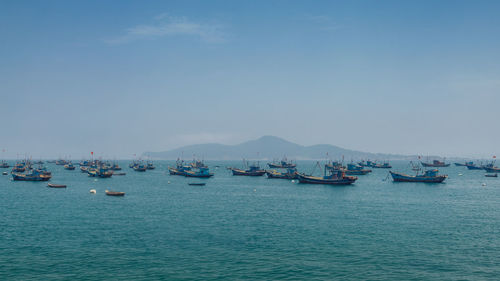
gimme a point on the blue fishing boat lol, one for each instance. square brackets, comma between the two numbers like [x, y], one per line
[100, 171]
[283, 164]
[290, 174]
[461, 164]
[252, 171]
[69, 166]
[197, 164]
[32, 175]
[150, 165]
[335, 177]
[492, 169]
[140, 167]
[334, 166]
[373, 164]
[354, 169]
[435, 163]
[4, 164]
[202, 172]
[180, 169]
[115, 167]
[472, 166]
[429, 176]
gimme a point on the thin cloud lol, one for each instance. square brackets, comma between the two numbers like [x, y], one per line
[165, 25]
[323, 22]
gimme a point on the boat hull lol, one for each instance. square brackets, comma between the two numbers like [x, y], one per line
[316, 180]
[258, 173]
[406, 178]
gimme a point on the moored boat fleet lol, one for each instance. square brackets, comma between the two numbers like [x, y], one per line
[330, 173]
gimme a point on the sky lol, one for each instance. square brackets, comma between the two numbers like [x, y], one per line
[123, 77]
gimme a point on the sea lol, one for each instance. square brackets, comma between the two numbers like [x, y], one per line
[249, 228]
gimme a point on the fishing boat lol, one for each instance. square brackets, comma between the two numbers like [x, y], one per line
[472, 166]
[115, 167]
[114, 193]
[334, 166]
[252, 171]
[491, 175]
[84, 169]
[202, 172]
[492, 169]
[100, 172]
[290, 174]
[4, 164]
[373, 164]
[140, 168]
[69, 166]
[61, 162]
[435, 163]
[335, 177]
[197, 164]
[119, 174]
[429, 176]
[32, 175]
[197, 183]
[19, 167]
[180, 169]
[460, 164]
[354, 169]
[150, 166]
[56, 185]
[283, 164]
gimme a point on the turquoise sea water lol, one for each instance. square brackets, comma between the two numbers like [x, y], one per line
[250, 228]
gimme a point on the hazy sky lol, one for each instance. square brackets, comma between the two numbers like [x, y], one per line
[123, 77]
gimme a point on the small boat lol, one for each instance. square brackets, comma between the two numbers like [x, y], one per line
[491, 169]
[114, 193]
[5, 173]
[429, 176]
[119, 174]
[373, 164]
[180, 169]
[290, 174]
[56, 185]
[115, 167]
[4, 164]
[150, 166]
[140, 168]
[472, 166]
[491, 175]
[197, 183]
[100, 172]
[460, 164]
[354, 169]
[69, 166]
[435, 163]
[252, 171]
[283, 164]
[202, 172]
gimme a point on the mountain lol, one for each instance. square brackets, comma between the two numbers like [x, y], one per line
[267, 147]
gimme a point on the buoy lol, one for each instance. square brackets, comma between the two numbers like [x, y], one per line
[93, 191]
[460, 174]
[254, 190]
[484, 184]
[95, 179]
[293, 181]
[168, 182]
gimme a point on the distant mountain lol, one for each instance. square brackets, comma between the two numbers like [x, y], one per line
[268, 147]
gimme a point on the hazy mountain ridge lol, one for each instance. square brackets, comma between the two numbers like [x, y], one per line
[268, 147]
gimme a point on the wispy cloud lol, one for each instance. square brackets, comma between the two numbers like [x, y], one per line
[323, 22]
[165, 25]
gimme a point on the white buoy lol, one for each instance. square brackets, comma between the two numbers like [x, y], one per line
[95, 179]
[484, 184]
[168, 182]
[460, 174]
[93, 191]
[293, 181]
[254, 190]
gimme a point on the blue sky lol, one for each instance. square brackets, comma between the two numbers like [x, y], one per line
[123, 77]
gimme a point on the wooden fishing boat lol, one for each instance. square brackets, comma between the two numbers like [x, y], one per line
[491, 175]
[472, 166]
[33, 175]
[115, 167]
[283, 164]
[56, 185]
[492, 169]
[202, 172]
[429, 176]
[253, 171]
[290, 174]
[114, 193]
[197, 183]
[69, 166]
[354, 169]
[140, 168]
[337, 177]
[435, 163]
